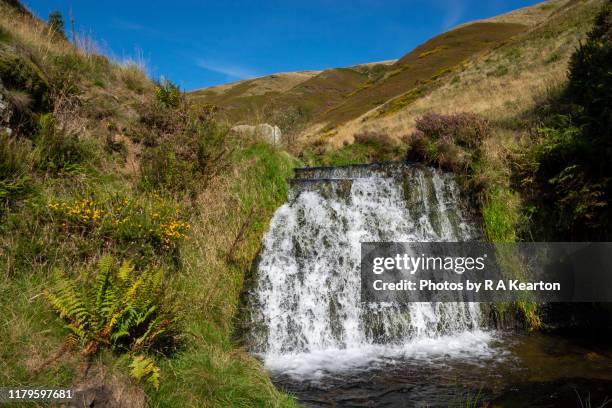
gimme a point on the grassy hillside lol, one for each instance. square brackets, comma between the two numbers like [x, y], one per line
[337, 95]
[502, 84]
[280, 82]
[128, 217]
[495, 66]
[425, 63]
[290, 100]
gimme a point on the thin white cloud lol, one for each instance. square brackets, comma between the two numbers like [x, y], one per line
[128, 25]
[229, 70]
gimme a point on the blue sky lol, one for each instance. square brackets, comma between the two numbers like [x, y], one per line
[203, 43]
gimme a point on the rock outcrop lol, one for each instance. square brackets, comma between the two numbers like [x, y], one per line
[270, 134]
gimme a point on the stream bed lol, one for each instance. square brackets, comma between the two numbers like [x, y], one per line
[496, 369]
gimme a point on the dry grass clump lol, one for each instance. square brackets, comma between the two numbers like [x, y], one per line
[133, 75]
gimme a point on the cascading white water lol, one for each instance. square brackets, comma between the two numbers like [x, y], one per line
[305, 307]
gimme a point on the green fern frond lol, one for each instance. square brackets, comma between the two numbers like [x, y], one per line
[104, 280]
[125, 272]
[104, 264]
[144, 367]
[71, 341]
[122, 309]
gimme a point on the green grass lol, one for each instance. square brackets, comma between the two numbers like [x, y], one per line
[367, 148]
[28, 340]
[500, 215]
[48, 173]
[209, 370]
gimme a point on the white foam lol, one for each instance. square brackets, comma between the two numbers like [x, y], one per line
[316, 364]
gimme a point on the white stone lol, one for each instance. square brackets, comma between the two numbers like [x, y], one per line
[270, 134]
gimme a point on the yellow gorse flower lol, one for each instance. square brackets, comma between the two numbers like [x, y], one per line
[161, 224]
[83, 211]
[172, 232]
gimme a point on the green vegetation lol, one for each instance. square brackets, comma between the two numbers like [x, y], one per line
[135, 193]
[57, 150]
[568, 168]
[585, 401]
[167, 93]
[117, 194]
[123, 310]
[451, 142]
[366, 148]
[553, 185]
[458, 143]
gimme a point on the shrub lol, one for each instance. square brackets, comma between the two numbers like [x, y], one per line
[569, 167]
[123, 309]
[465, 129]
[168, 93]
[160, 167]
[205, 112]
[590, 76]
[127, 222]
[198, 151]
[156, 124]
[57, 150]
[448, 141]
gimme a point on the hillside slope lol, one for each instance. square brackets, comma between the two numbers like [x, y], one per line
[500, 84]
[288, 99]
[518, 53]
[128, 218]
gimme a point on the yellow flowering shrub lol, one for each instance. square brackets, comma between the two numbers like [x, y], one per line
[126, 220]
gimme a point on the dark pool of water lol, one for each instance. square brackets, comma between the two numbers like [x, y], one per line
[525, 370]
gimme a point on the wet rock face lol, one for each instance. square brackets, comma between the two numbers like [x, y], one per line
[270, 134]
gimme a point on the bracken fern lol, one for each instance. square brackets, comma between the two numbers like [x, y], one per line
[123, 310]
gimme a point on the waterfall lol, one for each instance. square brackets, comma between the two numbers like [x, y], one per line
[305, 306]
